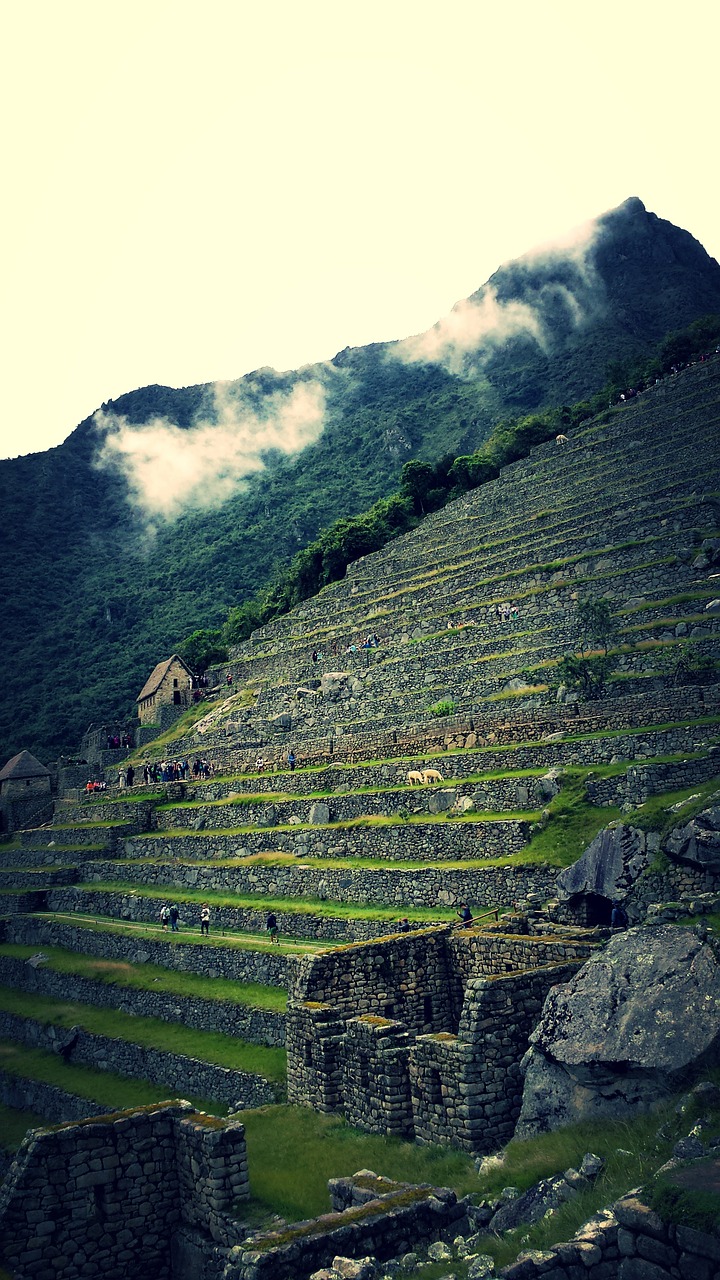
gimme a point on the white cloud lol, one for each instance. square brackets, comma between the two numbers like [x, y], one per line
[463, 339]
[171, 469]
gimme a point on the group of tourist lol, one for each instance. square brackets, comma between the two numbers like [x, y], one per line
[91, 786]
[336, 648]
[115, 741]
[505, 612]
[630, 393]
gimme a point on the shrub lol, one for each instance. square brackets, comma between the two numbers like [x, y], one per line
[445, 707]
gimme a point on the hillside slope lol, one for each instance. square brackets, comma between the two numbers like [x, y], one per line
[100, 585]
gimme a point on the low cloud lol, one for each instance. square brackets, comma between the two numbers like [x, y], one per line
[171, 470]
[552, 277]
[470, 325]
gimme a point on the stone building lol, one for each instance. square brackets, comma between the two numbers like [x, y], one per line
[166, 693]
[25, 787]
[421, 1035]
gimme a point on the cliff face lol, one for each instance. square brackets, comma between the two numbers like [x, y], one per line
[96, 592]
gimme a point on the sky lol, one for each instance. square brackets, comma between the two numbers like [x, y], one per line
[195, 191]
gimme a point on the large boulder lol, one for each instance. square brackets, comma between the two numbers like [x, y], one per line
[626, 1029]
[611, 864]
[333, 684]
[698, 841]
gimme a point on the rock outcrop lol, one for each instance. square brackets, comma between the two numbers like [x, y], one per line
[610, 865]
[698, 842]
[618, 1035]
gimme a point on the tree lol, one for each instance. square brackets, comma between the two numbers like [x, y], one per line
[596, 622]
[586, 676]
[202, 649]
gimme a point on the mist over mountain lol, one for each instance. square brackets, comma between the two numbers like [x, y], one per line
[168, 506]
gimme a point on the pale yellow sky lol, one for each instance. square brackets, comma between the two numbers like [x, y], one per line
[191, 192]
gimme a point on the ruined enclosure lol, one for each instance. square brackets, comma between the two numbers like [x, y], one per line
[421, 1035]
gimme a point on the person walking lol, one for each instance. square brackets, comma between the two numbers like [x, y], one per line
[174, 917]
[291, 760]
[465, 915]
[205, 920]
[164, 916]
[271, 925]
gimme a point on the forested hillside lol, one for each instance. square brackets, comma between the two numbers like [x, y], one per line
[95, 592]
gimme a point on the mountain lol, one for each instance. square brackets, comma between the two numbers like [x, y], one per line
[170, 505]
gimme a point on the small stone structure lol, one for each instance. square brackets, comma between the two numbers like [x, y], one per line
[109, 1195]
[421, 1035]
[370, 1215]
[168, 686]
[25, 793]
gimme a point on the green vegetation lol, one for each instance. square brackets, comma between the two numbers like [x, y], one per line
[14, 1124]
[671, 809]
[151, 977]
[283, 1138]
[279, 1137]
[256, 902]
[683, 1198]
[114, 1092]
[151, 1033]
[445, 707]
[572, 825]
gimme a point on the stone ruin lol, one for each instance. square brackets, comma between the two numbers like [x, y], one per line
[421, 1035]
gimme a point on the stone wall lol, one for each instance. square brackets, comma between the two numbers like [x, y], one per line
[237, 963]
[259, 1026]
[421, 1035]
[411, 887]
[629, 1242]
[639, 782]
[372, 1217]
[54, 1104]
[402, 842]
[104, 1197]
[174, 1071]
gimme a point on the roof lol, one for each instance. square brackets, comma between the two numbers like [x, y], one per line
[155, 679]
[23, 765]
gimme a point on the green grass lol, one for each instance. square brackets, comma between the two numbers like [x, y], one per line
[154, 932]
[673, 808]
[150, 1033]
[282, 1139]
[156, 749]
[633, 1149]
[14, 1124]
[572, 826]
[115, 1092]
[152, 977]
[691, 1205]
[292, 906]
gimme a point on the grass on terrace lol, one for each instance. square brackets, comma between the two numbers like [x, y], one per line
[150, 932]
[260, 903]
[112, 1092]
[14, 1124]
[429, 756]
[150, 1033]
[278, 1137]
[152, 977]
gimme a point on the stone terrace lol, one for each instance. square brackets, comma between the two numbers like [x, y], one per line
[346, 844]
